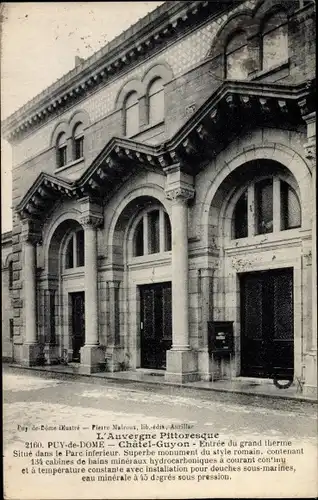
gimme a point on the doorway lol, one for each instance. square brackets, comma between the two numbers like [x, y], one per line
[155, 324]
[78, 324]
[267, 319]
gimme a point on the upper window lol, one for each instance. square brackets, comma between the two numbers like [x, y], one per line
[75, 250]
[156, 103]
[236, 57]
[274, 40]
[132, 114]
[272, 205]
[153, 233]
[78, 141]
[61, 150]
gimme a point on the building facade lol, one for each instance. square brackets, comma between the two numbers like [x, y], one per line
[168, 181]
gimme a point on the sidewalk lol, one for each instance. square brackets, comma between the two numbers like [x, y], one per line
[151, 379]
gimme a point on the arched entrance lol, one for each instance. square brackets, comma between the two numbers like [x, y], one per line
[65, 296]
[255, 222]
[141, 261]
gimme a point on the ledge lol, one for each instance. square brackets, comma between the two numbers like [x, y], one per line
[270, 71]
[69, 165]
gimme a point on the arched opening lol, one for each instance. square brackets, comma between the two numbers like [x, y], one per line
[141, 245]
[156, 103]
[254, 216]
[64, 298]
[236, 56]
[274, 40]
[131, 113]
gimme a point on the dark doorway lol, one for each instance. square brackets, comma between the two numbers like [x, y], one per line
[267, 319]
[155, 324]
[78, 324]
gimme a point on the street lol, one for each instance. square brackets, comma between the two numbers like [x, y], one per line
[32, 401]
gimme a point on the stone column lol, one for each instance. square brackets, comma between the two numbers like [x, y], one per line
[92, 354]
[31, 347]
[115, 349]
[310, 387]
[181, 360]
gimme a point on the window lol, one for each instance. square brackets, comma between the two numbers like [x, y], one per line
[78, 141]
[236, 57]
[240, 217]
[290, 207]
[153, 233]
[156, 104]
[61, 150]
[274, 40]
[264, 204]
[132, 114]
[75, 250]
[10, 274]
[271, 204]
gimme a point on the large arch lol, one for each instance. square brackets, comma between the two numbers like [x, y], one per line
[280, 153]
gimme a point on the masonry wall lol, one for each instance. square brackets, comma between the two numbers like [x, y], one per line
[196, 74]
[6, 298]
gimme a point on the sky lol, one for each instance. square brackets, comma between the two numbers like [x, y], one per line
[39, 42]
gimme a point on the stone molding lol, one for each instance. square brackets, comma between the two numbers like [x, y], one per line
[31, 232]
[91, 213]
[180, 193]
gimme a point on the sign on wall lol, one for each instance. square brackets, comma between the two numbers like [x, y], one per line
[220, 337]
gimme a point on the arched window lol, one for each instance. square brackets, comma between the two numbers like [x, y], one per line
[236, 57]
[74, 256]
[78, 141]
[274, 48]
[268, 205]
[153, 233]
[61, 149]
[156, 103]
[131, 114]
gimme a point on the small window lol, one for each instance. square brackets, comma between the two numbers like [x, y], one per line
[264, 204]
[75, 251]
[78, 141]
[236, 57]
[156, 104]
[132, 115]
[10, 274]
[240, 217]
[11, 328]
[290, 207]
[274, 40]
[148, 238]
[61, 150]
[153, 232]
[139, 239]
[167, 233]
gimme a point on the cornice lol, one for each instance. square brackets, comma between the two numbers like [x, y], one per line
[132, 45]
[207, 132]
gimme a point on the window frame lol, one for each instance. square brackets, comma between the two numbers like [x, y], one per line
[252, 218]
[61, 150]
[149, 98]
[78, 138]
[72, 239]
[268, 31]
[229, 52]
[136, 130]
[143, 221]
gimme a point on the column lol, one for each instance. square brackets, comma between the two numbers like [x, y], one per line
[310, 387]
[31, 347]
[92, 354]
[182, 362]
[115, 350]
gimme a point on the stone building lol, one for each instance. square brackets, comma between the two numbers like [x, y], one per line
[168, 181]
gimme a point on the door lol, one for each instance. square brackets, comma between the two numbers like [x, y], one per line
[267, 334]
[78, 324]
[155, 324]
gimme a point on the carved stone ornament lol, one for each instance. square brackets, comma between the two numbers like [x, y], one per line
[180, 193]
[94, 221]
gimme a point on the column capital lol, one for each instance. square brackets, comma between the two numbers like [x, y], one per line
[179, 185]
[31, 231]
[113, 283]
[91, 213]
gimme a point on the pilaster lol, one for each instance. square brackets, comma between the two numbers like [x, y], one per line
[31, 236]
